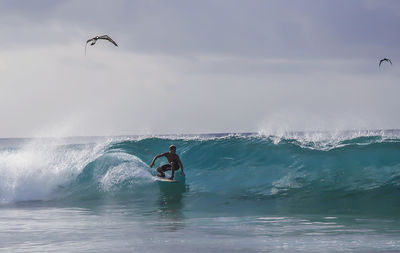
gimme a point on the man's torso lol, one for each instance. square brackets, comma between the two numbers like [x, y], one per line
[172, 158]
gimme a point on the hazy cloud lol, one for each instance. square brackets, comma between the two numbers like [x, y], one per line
[217, 65]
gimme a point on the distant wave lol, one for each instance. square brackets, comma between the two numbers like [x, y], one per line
[347, 171]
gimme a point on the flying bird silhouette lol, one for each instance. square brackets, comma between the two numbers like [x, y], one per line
[103, 37]
[385, 59]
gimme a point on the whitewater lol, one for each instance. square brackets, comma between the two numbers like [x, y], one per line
[246, 192]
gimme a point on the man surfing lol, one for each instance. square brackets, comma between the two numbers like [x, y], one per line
[173, 163]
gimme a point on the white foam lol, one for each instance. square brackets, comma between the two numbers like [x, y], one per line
[131, 167]
[35, 170]
[326, 140]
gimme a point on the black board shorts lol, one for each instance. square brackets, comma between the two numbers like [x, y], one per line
[167, 167]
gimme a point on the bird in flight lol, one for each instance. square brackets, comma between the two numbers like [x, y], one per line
[385, 59]
[103, 37]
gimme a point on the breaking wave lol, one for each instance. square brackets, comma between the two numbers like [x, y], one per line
[304, 171]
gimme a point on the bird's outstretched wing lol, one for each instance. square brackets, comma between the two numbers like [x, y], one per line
[89, 40]
[385, 59]
[106, 37]
[94, 39]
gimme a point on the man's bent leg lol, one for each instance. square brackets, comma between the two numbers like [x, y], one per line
[174, 167]
[160, 172]
[162, 169]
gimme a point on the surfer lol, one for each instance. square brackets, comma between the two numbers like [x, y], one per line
[174, 162]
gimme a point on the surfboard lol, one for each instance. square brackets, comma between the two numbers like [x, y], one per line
[162, 179]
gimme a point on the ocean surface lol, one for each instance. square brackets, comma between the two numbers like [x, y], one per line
[293, 192]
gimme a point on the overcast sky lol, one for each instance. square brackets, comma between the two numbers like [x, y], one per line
[197, 66]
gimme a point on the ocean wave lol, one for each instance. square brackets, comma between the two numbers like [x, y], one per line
[303, 168]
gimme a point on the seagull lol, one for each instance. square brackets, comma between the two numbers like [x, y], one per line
[103, 37]
[385, 59]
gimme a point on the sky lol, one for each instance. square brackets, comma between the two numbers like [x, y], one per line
[197, 66]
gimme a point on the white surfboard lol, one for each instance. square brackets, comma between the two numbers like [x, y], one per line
[162, 179]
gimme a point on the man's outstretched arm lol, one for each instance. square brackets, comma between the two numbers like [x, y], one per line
[180, 164]
[155, 158]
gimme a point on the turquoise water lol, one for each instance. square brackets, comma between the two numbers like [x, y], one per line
[299, 192]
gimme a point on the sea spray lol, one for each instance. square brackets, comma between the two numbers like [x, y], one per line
[35, 169]
[348, 172]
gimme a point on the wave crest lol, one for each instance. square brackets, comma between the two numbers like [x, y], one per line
[302, 168]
